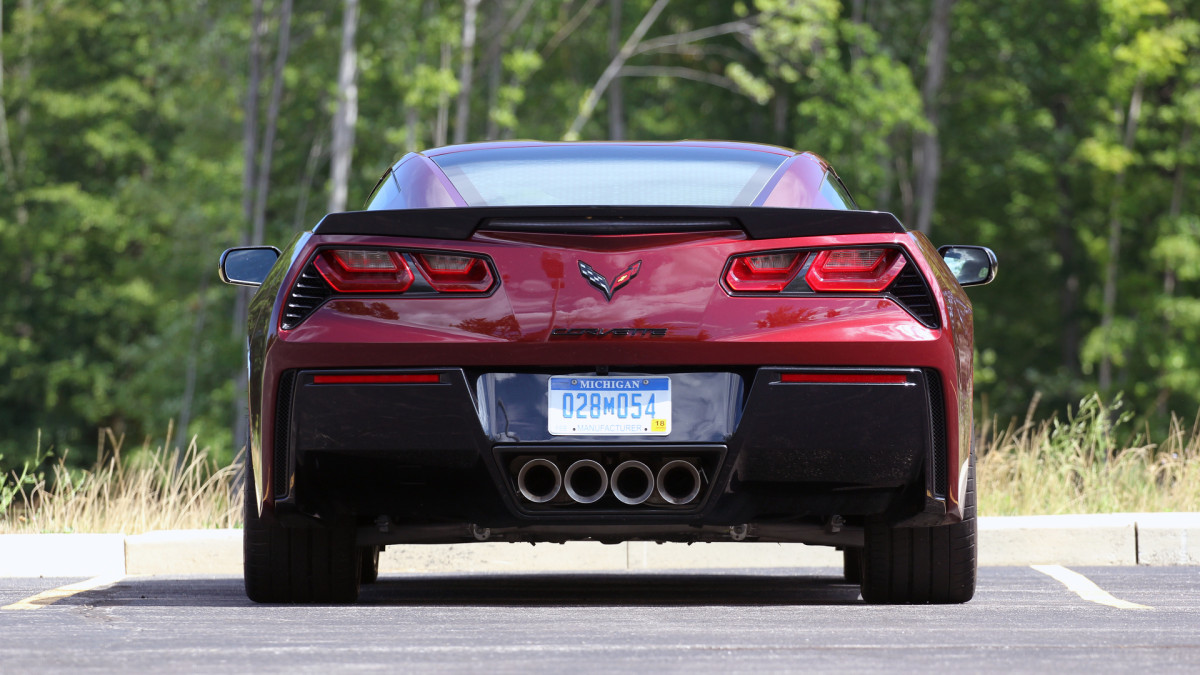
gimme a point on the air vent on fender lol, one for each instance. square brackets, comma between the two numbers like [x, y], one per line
[909, 290]
[309, 291]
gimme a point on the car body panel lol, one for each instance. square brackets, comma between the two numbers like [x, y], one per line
[676, 316]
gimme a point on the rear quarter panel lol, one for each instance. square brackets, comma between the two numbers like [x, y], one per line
[959, 321]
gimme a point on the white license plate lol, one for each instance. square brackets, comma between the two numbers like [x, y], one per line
[609, 406]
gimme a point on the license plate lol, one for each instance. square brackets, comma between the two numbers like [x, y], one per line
[609, 406]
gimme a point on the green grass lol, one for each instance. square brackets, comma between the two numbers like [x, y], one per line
[1094, 459]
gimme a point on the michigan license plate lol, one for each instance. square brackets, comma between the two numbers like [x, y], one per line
[609, 406]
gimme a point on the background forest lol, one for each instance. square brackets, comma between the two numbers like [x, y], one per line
[139, 138]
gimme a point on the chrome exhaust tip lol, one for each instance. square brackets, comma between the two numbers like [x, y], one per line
[632, 482]
[678, 482]
[539, 480]
[585, 481]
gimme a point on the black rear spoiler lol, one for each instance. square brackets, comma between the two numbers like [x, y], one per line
[461, 223]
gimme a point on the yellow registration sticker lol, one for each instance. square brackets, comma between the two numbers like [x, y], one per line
[658, 425]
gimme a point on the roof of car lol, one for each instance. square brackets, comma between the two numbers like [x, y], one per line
[493, 145]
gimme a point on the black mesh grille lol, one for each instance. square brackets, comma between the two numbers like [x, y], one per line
[910, 290]
[308, 294]
[283, 423]
[937, 414]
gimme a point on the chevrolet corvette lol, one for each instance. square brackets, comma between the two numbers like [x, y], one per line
[550, 342]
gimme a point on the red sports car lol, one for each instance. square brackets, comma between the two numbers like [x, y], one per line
[543, 342]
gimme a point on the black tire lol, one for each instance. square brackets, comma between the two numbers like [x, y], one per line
[852, 557]
[370, 563]
[283, 564]
[916, 565]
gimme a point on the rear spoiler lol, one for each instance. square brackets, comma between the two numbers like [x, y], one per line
[462, 222]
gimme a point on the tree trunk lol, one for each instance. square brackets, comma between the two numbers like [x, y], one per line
[1114, 240]
[6, 153]
[346, 117]
[189, 376]
[315, 152]
[614, 68]
[492, 130]
[1069, 294]
[250, 121]
[440, 130]
[779, 117]
[616, 97]
[928, 158]
[249, 180]
[263, 182]
[462, 116]
[1169, 280]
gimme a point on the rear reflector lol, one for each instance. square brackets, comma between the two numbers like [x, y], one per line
[421, 378]
[842, 378]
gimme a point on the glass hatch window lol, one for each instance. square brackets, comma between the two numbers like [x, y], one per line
[597, 175]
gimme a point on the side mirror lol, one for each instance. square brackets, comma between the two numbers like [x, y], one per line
[247, 265]
[971, 265]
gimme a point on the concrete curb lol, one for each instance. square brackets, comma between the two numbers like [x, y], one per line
[1081, 540]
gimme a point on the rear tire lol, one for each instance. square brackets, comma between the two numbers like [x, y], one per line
[370, 563]
[852, 557]
[916, 565]
[283, 564]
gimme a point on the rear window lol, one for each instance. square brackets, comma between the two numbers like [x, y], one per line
[596, 175]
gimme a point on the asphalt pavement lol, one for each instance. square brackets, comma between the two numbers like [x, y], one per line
[728, 620]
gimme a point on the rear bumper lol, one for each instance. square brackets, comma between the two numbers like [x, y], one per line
[772, 453]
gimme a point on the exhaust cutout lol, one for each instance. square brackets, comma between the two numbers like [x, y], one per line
[632, 482]
[585, 481]
[539, 481]
[678, 482]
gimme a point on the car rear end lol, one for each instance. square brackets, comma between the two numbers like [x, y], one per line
[555, 373]
[786, 399]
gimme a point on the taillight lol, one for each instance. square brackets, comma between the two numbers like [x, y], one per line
[455, 273]
[364, 270]
[864, 270]
[764, 272]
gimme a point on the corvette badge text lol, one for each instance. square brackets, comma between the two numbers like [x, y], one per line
[614, 332]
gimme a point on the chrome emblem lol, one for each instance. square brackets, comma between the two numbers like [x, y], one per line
[596, 279]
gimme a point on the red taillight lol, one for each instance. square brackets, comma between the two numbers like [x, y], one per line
[364, 270]
[842, 378]
[407, 378]
[455, 273]
[764, 272]
[866, 270]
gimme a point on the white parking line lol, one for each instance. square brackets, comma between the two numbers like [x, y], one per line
[55, 594]
[1084, 587]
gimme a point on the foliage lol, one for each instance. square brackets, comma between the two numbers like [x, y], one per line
[1068, 136]
[1092, 461]
[157, 489]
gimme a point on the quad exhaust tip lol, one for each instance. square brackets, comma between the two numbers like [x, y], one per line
[632, 482]
[585, 481]
[539, 481]
[678, 482]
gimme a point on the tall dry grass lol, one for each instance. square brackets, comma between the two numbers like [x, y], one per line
[1092, 460]
[1095, 460]
[150, 489]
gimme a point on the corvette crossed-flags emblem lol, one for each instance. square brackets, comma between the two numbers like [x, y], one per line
[596, 279]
